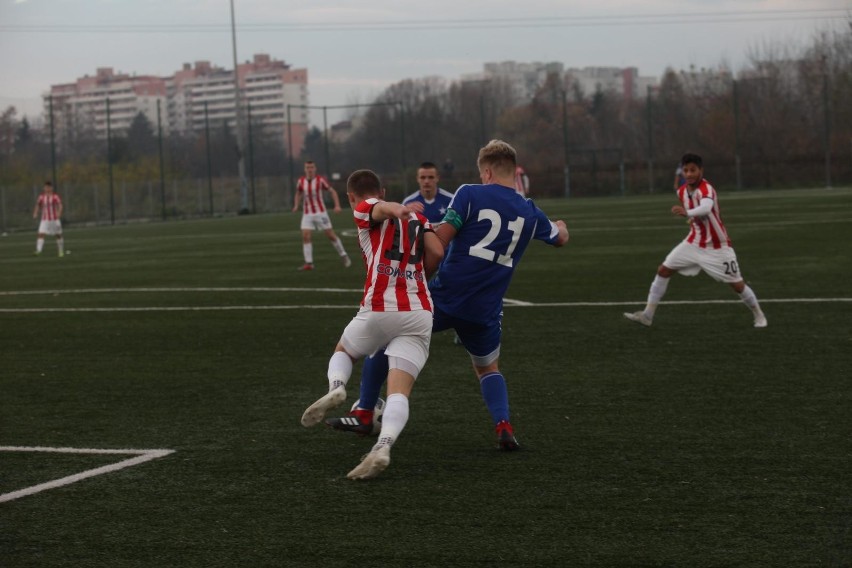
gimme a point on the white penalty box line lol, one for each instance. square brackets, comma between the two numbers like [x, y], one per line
[142, 456]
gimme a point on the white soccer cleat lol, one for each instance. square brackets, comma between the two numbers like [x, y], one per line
[347, 262]
[639, 317]
[760, 321]
[316, 412]
[372, 465]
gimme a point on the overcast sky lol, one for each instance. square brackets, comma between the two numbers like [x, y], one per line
[354, 48]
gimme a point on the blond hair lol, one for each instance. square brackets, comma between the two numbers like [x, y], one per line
[499, 156]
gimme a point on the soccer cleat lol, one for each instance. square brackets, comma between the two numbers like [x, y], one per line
[316, 412]
[306, 266]
[372, 464]
[359, 421]
[37, 253]
[639, 317]
[347, 262]
[61, 254]
[506, 440]
[760, 321]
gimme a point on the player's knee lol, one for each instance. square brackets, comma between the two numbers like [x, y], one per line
[738, 286]
[665, 271]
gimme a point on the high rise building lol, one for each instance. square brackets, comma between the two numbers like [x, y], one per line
[267, 87]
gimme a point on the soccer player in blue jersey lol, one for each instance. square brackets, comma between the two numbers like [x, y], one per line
[430, 200]
[487, 228]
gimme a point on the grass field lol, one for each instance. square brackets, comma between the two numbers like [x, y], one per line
[698, 442]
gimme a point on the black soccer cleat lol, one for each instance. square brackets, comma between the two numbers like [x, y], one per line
[358, 421]
[506, 440]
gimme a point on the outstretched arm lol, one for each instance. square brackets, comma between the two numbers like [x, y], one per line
[387, 210]
[562, 237]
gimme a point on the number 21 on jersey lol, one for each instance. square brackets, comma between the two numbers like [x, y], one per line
[483, 249]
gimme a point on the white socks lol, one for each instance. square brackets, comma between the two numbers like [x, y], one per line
[339, 370]
[60, 245]
[39, 245]
[308, 252]
[338, 246]
[393, 420]
[750, 299]
[655, 294]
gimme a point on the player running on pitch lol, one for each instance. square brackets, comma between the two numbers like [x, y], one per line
[401, 251]
[487, 227]
[706, 247]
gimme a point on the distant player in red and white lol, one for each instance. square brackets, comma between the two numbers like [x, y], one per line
[707, 247]
[314, 215]
[51, 215]
[401, 251]
[522, 182]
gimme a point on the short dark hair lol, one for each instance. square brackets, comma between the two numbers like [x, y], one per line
[364, 182]
[690, 158]
[427, 166]
[48, 182]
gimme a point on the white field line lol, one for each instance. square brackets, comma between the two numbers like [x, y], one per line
[507, 303]
[142, 456]
[132, 290]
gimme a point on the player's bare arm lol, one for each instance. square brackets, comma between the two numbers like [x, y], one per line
[297, 202]
[445, 232]
[35, 211]
[415, 206]
[335, 199]
[433, 253]
[562, 239]
[387, 210]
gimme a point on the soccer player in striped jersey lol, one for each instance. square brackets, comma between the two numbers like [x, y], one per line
[314, 215]
[430, 200]
[51, 215]
[487, 227]
[401, 251]
[707, 247]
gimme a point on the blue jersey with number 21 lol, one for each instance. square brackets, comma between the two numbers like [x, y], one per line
[494, 225]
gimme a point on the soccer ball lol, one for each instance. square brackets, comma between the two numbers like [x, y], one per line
[377, 415]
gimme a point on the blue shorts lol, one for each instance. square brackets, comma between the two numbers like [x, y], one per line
[482, 340]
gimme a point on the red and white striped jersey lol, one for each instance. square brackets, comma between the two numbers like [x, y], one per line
[311, 190]
[50, 205]
[393, 253]
[707, 231]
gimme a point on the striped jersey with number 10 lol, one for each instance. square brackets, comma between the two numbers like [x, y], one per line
[312, 190]
[393, 252]
[707, 231]
[49, 206]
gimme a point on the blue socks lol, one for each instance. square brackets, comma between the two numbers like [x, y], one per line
[373, 375]
[496, 396]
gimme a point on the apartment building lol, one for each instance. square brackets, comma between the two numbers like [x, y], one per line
[187, 98]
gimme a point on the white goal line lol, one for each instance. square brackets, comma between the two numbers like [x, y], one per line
[142, 456]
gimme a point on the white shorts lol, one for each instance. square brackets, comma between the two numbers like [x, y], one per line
[721, 264]
[50, 227]
[316, 221]
[404, 335]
